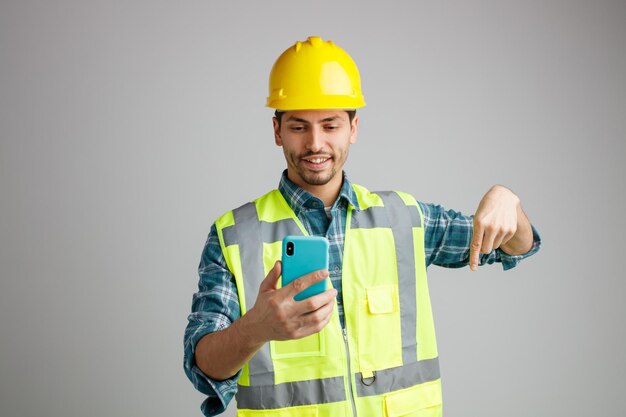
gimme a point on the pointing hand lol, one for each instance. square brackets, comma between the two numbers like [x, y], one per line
[495, 222]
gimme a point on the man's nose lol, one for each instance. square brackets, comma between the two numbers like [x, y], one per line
[314, 140]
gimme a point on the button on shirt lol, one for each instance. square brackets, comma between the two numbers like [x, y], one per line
[447, 236]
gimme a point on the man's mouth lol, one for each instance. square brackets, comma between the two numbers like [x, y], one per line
[316, 162]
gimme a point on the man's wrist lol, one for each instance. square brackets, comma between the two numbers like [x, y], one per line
[247, 332]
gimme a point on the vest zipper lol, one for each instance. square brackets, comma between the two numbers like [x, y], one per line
[350, 391]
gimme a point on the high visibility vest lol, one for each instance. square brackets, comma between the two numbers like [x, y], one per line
[385, 362]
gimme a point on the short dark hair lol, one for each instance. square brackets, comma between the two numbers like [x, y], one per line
[279, 115]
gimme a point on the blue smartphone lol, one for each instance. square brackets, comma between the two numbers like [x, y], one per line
[302, 255]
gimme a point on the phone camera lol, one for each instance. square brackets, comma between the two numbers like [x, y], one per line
[290, 248]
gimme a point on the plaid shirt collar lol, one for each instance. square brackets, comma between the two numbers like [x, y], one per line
[300, 200]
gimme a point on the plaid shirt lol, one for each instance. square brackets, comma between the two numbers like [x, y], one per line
[447, 236]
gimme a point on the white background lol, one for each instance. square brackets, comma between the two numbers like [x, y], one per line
[127, 127]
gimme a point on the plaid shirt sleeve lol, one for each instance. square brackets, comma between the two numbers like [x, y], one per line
[447, 238]
[214, 307]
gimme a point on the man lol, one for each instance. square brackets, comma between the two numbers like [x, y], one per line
[366, 346]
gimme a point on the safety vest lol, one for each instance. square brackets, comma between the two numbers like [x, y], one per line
[385, 362]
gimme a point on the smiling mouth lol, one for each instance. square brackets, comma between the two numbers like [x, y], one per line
[316, 163]
[317, 159]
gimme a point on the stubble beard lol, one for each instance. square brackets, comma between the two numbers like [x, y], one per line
[316, 178]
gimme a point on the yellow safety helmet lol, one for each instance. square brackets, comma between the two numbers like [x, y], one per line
[315, 74]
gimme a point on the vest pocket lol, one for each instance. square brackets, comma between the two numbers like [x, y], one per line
[379, 338]
[423, 400]
[312, 345]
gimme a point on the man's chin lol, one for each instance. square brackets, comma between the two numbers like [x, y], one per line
[317, 179]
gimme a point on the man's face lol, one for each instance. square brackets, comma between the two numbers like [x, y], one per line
[315, 144]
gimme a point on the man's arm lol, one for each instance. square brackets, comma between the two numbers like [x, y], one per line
[214, 307]
[500, 222]
[274, 316]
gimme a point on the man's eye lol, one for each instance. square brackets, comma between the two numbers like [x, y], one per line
[331, 127]
[297, 128]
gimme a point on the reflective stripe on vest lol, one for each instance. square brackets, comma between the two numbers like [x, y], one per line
[405, 376]
[250, 234]
[289, 394]
[327, 390]
[401, 227]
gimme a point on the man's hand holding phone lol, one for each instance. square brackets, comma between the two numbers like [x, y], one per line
[276, 315]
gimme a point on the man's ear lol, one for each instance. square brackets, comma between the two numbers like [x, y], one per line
[354, 129]
[277, 139]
